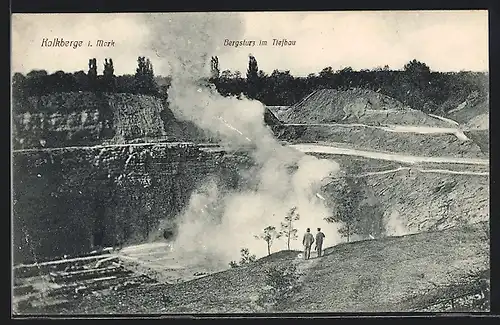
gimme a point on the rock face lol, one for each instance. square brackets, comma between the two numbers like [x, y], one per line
[410, 201]
[136, 116]
[83, 186]
[85, 118]
[372, 138]
[67, 201]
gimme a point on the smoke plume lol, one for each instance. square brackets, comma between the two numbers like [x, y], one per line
[395, 225]
[218, 223]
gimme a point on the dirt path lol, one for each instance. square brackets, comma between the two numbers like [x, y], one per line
[303, 266]
[438, 171]
[445, 119]
[394, 128]
[315, 148]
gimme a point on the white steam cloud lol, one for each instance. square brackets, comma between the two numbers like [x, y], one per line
[218, 223]
[395, 225]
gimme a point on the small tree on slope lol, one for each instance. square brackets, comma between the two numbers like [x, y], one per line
[287, 228]
[268, 235]
[246, 258]
[347, 207]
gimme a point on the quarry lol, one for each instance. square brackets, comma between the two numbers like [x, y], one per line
[338, 175]
[97, 191]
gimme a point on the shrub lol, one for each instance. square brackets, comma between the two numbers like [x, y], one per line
[246, 258]
[281, 284]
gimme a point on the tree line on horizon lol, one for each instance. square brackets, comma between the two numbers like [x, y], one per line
[415, 85]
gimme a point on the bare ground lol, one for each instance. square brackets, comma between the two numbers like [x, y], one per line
[391, 274]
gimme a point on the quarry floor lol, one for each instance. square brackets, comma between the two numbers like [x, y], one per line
[408, 273]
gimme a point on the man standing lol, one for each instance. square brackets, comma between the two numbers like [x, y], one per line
[319, 242]
[307, 242]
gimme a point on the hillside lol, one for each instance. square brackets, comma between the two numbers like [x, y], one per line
[379, 139]
[474, 119]
[110, 169]
[278, 111]
[479, 122]
[431, 201]
[467, 111]
[406, 273]
[355, 106]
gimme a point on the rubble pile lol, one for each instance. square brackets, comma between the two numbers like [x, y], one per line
[55, 283]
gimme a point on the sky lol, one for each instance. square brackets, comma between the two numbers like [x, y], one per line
[444, 40]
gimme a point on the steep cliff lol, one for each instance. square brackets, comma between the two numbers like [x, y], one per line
[61, 119]
[136, 116]
[68, 201]
[399, 202]
[86, 118]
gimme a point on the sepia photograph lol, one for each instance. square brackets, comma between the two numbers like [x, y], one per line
[250, 162]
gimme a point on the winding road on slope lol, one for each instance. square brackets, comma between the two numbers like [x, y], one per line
[438, 171]
[394, 128]
[315, 148]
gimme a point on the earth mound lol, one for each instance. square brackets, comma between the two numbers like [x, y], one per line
[480, 122]
[355, 106]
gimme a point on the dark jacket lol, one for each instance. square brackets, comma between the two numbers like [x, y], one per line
[319, 238]
[308, 239]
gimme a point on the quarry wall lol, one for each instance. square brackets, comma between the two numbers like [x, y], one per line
[70, 201]
[87, 118]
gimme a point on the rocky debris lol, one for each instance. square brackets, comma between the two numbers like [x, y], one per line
[62, 277]
[67, 264]
[54, 288]
[200, 274]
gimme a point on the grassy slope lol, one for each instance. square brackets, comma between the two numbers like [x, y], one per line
[391, 274]
[384, 275]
